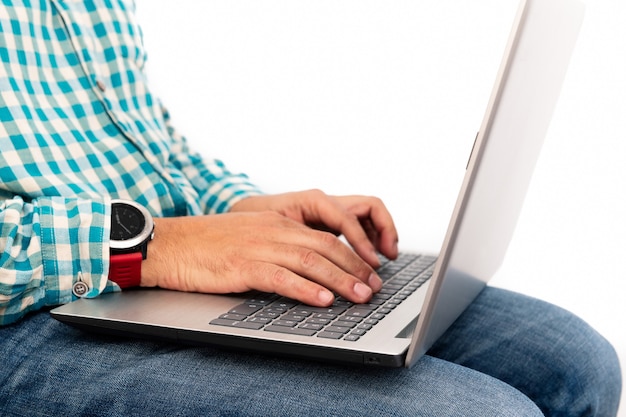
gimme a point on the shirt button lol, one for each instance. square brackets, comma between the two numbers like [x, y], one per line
[101, 85]
[80, 288]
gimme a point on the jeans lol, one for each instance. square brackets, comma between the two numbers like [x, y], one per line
[507, 355]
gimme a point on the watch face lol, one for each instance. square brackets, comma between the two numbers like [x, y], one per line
[127, 222]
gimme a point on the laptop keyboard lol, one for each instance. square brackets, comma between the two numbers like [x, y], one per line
[344, 319]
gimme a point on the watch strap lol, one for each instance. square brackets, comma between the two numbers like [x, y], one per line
[125, 269]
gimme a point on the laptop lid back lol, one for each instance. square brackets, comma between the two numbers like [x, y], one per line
[505, 152]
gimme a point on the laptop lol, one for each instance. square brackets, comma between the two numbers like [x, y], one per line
[423, 294]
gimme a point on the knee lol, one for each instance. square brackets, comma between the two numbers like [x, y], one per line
[584, 370]
[552, 356]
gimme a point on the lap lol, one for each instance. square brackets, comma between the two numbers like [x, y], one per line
[56, 369]
[549, 354]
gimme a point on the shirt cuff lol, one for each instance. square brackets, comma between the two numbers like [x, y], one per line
[73, 247]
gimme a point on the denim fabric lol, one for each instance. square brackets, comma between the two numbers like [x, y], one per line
[549, 354]
[508, 355]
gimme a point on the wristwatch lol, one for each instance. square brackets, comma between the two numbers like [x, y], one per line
[132, 227]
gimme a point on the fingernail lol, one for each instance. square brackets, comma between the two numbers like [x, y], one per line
[325, 297]
[375, 282]
[362, 290]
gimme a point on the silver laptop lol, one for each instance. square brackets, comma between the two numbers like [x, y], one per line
[423, 295]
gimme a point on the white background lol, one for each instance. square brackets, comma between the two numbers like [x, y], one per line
[384, 97]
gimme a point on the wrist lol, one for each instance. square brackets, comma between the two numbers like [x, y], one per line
[245, 204]
[156, 265]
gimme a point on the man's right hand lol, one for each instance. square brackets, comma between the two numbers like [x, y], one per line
[266, 251]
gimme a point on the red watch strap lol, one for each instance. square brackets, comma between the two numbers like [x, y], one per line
[125, 269]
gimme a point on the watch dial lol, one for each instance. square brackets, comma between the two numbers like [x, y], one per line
[126, 222]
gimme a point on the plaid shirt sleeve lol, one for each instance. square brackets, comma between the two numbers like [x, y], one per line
[47, 245]
[78, 127]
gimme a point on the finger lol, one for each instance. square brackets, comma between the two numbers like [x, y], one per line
[356, 282]
[370, 231]
[286, 242]
[320, 256]
[308, 277]
[335, 217]
[376, 220]
[268, 277]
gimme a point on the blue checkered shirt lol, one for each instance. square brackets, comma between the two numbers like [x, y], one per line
[78, 127]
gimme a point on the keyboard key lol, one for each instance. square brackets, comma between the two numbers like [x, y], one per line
[285, 303]
[238, 324]
[317, 320]
[311, 326]
[263, 320]
[342, 323]
[365, 326]
[342, 302]
[269, 315]
[286, 323]
[301, 311]
[262, 301]
[338, 329]
[325, 316]
[294, 317]
[274, 309]
[232, 316]
[379, 298]
[291, 330]
[246, 309]
[358, 312]
[330, 335]
[352, 319]
[333, 311]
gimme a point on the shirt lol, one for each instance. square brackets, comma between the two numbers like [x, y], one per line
[78, 127]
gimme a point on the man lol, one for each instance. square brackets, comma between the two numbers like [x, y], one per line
[80, 128]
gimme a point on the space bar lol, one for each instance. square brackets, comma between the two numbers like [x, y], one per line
[291, 330]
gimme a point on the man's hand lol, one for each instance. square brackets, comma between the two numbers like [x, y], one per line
[285, 244]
